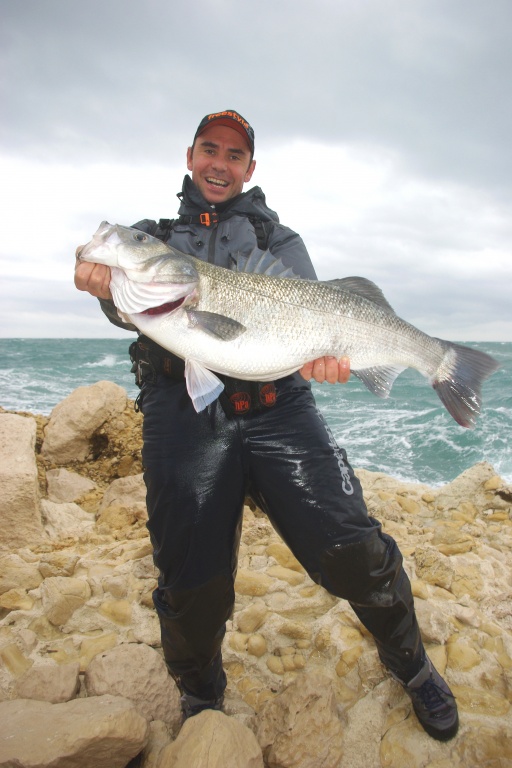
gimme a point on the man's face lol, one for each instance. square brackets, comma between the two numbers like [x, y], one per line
[220, 163]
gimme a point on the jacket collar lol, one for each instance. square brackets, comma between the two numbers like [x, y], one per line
[250, 203]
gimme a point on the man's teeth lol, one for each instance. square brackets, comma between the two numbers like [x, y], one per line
[217, 182]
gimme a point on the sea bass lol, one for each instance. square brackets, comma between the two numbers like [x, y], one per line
[259, 323]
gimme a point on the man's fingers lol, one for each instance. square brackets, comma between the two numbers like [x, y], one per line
[93, 278]
[307, 371]
[327, 369]
[343, 370]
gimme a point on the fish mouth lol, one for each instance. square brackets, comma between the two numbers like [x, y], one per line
[169, 306]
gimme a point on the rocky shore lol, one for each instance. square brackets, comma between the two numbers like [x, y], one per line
[82, 679]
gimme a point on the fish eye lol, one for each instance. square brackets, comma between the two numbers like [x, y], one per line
[140, 236]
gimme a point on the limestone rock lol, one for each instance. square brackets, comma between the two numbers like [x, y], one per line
[124, 504]
[212, 740]
[62, 521]
[300, 728]
[64, 485]
[17, 573]
[285, 630]
[104, 732]
[433, 567]
[49, 682]
[252, 583]
[138, 673]
[14, 660]
[435, 624]
[58, 563]
[251, 618]
[124, 491]
[475, 484]
[20, 519]
[62, 596]
[75, 420]
[159, 737]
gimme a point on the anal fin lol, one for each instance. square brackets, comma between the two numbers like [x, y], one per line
[379, 380]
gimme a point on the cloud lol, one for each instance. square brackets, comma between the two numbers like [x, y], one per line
[382, 136]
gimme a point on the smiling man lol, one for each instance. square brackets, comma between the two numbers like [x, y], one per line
[221, 158]
[264, 439]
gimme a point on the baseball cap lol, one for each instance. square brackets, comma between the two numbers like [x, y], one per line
[230, 119]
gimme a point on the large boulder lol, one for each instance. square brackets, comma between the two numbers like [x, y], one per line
[74, 421]
[20, 518]
[212, 740]
[139, 673]
[104, 732]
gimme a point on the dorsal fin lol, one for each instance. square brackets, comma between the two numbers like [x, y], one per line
[261, 263]
[363, 287]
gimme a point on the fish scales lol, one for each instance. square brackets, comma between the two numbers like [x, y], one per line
[333, 321]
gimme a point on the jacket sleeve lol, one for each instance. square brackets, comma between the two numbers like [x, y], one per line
[290, 248]
[107, 305]
[109, 309]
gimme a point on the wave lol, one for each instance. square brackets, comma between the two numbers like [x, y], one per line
[107, 361]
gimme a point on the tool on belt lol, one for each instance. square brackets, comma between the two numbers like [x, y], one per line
[238, 398]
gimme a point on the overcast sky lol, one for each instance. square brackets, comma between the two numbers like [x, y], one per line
[382, 135]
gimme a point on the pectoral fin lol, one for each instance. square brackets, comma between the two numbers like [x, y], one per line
[203, 386]
[219, 326]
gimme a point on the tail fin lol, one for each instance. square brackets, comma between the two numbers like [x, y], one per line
[458, 381]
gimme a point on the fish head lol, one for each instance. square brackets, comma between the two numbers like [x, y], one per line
[146, 274]
[140, 256]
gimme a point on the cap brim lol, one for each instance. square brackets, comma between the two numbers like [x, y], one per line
[228, 123]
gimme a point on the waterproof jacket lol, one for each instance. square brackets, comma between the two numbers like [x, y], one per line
[220, 242]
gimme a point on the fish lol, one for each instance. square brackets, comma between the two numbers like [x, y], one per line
[260, 322]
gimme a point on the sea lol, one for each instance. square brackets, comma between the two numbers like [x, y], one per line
[409, 436]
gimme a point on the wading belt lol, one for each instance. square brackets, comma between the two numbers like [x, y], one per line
[238, 398]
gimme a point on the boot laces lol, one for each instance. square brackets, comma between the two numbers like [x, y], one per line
[433, 697]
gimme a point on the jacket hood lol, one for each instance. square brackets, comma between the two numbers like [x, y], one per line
[250, 203]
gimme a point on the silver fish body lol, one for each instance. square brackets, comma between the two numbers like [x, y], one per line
[262, 327]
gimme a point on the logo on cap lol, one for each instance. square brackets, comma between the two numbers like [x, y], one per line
[225, 118]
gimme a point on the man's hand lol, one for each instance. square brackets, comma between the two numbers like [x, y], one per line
[327, 369]
[94, 278]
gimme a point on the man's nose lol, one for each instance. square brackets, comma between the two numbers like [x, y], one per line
[219, 163]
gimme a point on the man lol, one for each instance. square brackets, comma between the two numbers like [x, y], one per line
[200, 466]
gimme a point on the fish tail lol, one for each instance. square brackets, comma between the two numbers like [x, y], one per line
[458, 381]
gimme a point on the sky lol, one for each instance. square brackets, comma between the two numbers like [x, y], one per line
[382, 136]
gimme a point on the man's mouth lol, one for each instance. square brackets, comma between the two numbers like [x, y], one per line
[216, 182]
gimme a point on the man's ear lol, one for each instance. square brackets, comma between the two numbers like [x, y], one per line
[189, 158]
[250, 171]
